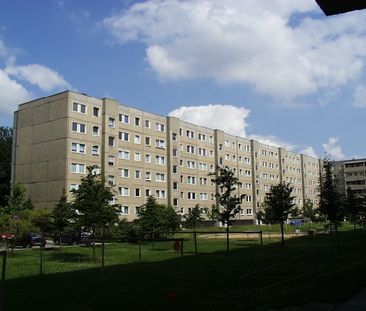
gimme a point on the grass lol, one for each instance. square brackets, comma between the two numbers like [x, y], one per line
[307, 269]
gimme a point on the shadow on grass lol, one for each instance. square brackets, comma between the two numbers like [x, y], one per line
[69, 257]
[207, 281]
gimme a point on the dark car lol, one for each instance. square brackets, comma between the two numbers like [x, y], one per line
[30, 240]
[73, 238]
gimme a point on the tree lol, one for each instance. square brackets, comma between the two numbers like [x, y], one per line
[278, 205]
[309, 212]
[16, 201]
[213, 213]
[229, 203]
[194, 216]
[353, 205]
[6, 139]
[92, 204]
[155, 218]
[62, 215]
[330, 199]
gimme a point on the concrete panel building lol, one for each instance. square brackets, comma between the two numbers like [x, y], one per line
[141, 154]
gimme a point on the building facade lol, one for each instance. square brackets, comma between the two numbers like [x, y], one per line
[141, 154]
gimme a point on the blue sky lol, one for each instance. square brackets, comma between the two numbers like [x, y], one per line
[278, 71]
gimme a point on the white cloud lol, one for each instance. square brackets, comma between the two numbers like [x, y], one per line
[11, 95]
[273, 140]
[3, 49]
[309, 151]
[228, 118]
[360, 97]
[45, 78]
[252, 42]
[333, 149]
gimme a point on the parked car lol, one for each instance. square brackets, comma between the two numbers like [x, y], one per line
[73, 238]
[30, 239]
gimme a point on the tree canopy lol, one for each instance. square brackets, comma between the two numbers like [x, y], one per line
[6, 139]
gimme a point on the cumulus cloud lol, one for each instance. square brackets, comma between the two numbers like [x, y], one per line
[228, 118]
[12, 94]
[273, 140]
[333, 149]
[309, 151]
[252, 42]
[360, 97]
[43, 77]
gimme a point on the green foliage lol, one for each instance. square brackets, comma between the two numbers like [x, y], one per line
[213, 213]
[354, 206]
[330, 199]
[227, 184]
[92, 202]
[194, 217]
[62, 215]
[40, 219]
[6, 138]
[16, 201]
[155, 218]
[309, 212]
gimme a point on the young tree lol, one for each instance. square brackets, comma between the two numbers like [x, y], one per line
[92, 204]
[213, 213]
[194, 217]
[309, 212]
[62, 215]
[330, 199]
[229, 203]
[6, 138]
[16, 201]
[353, 205]
[278, 205]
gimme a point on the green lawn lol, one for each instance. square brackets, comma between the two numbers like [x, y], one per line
[307, 269]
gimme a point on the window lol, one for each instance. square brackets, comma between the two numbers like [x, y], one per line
[111, 141]
[125, 210]
[202, 152]
[124, 191]
[147, 124]
[203, 181]
[175, 152]
[191, 149]
[159, 127]
[148, 176]
[190, 134]
[227, 157]
[160, 194]
[111, 182]
[124, 154]
[78, 148]
[174, 136]
[175, 185]
[77, 107]
[111, 160]
[112, 122]
[160, 160]
[247, 160]
[137, 174]
[248, 186]
[191, 164]
[159, 143]
[175, 169]
[191, 195]
[137, 156]
[247, 148]
[148, 141]
[137, 121]
[124, 136]
[227, 143]
[137, 139]
[95, 170]
[248, 198]
[203, 196]
[249, 211]
[74, 187]
[211, 139]
[95, 130]
[138, 210]
[202, 166]
[201, 137]
[77, 168]
[124, 172]
[175, 203]
[191, 180]
[95, 150]
[147, 192]
[95, 112]
[137, 192]
[147, 158]
[160, 177]
[124, 118]
[247, 173]
[78, 127]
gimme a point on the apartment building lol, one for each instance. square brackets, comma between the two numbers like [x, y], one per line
[141, 154]
[351, 174]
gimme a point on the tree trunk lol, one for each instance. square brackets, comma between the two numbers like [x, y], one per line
[336, 233]
[282, 235]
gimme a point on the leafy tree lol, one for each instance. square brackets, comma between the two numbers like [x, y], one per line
[6, 138]
[353, 205]
[40, 219]
[278, 205]
[330, 199]
[229, 203]
[155, 218]
[16, 201]
[62, 215]
[194, 217]
[309, 212]
[92, 204]
[213, 213]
